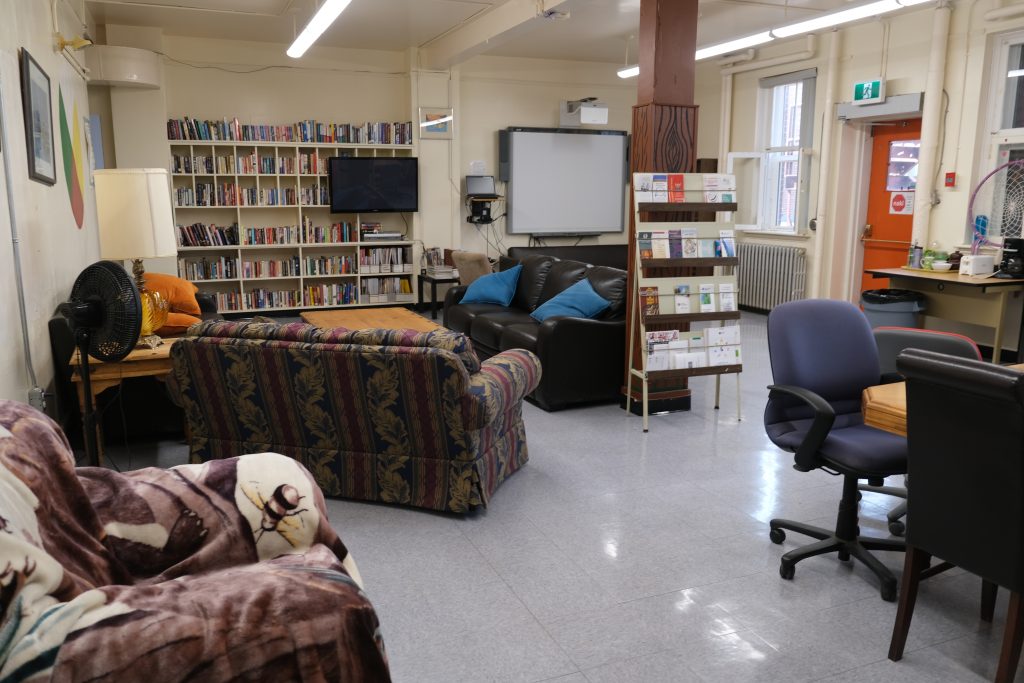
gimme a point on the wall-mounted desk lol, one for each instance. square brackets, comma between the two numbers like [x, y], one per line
[961, 298]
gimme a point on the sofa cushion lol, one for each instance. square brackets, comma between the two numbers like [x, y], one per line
[496, 288]
[578, 301]
[180, 294]
[610, 284]
[487, 327]
[562, 276]
[460, 317]
[531, 281]
[520, 336]
[177, 323]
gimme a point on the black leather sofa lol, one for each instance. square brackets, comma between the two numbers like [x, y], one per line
[582, 359]
[614, 255]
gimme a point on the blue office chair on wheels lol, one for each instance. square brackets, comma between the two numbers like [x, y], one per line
[823, 356]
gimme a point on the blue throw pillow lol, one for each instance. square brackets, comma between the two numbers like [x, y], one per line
[496, 288]
[578, 301]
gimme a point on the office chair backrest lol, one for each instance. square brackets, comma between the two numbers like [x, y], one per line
[892, 340]
[824, 346]
[965, 432]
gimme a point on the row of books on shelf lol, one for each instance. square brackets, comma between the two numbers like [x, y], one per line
[385, 260]
[677, 188]
[708, 298]
[227, 268]
[383, 289]
[330, 265]
[204, 235]
[679, 350]
[257, 268]
[369, 232]
[684, 243]
[382, 133]
[223, 268]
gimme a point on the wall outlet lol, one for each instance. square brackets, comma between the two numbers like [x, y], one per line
[37, 398]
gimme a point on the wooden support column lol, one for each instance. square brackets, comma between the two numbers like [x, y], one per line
[664, 139]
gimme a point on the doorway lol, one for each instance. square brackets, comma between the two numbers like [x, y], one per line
[892, 183]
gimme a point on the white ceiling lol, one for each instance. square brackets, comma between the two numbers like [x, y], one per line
[597, 30]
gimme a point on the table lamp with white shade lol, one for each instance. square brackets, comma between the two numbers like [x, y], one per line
[133, 206]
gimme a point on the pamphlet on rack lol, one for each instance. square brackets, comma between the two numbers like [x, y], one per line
[728, 335]
[724, 355]
[687, 360]
[659, 187]
[717, 182]
[649, 300]
[726, 297]
[707, 298]
[682, 298]
[726, 244]
[659, 244]
[643, 187]
[676, 188]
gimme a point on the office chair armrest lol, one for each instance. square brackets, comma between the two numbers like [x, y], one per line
[806, 457]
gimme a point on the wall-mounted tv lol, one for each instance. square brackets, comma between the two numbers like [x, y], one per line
[374, 184]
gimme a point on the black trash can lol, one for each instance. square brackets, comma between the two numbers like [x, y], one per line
[892, 307]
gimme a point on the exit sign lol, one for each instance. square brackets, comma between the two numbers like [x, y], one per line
[869, 92]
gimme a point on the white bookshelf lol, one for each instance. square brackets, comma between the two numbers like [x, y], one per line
[290, 192]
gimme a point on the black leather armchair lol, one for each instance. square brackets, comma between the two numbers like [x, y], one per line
[582, 359]
[965, 504]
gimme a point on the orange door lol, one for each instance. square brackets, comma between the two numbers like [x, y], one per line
[890, 217]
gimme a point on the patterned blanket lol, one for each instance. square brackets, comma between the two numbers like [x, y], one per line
[215, 572]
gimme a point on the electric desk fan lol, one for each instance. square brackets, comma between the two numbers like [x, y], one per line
[997, 205]
[105, 315]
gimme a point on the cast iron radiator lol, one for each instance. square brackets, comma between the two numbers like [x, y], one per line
[770, 274]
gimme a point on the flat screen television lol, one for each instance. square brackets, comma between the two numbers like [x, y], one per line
[373, 184]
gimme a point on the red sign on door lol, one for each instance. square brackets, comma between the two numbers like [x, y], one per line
[901, 203]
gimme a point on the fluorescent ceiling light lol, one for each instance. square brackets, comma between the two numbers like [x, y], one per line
[733, 45]
[908, 3]
[1016, 73]
[629, 71]
[435, 122]
[320, 22]
[836, 18]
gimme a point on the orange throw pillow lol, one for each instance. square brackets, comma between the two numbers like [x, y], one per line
[180, 294]
[176, 324]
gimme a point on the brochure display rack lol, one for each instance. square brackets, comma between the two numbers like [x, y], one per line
[660, 325]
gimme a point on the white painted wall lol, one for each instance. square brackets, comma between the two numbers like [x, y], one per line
[54, 250]
[498, 92]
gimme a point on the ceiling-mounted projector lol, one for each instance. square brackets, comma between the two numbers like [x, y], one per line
[587, 111]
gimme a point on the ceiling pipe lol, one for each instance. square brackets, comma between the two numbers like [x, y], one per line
[818, 287]
[931, 118]
[737, 57]
[1004, 12]
[807, 53]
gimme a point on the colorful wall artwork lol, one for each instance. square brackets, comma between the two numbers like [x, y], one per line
[71, 148]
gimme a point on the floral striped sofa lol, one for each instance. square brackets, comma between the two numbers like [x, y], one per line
[384, 415]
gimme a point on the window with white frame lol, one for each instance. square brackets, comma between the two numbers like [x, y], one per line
[994, 214]
[774, 194]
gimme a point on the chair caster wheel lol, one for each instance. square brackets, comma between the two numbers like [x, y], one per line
[844, 556]
[897, 528]
[787, 571]
[777, 536]
[889, 592]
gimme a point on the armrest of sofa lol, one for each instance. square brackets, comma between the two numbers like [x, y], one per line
[454, 295]
[503, 381]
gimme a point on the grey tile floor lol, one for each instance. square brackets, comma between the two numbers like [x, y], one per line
[616, 555]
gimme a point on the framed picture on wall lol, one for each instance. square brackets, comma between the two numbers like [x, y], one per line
[35, 98]
[436, 123]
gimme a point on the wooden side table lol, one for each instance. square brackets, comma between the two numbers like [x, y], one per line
[434, 282]
[141, 362]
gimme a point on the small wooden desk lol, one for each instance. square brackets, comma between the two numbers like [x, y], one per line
[885, 406]
[962, 298]
[141, 362]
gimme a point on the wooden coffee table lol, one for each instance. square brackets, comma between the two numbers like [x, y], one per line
[388, 318]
